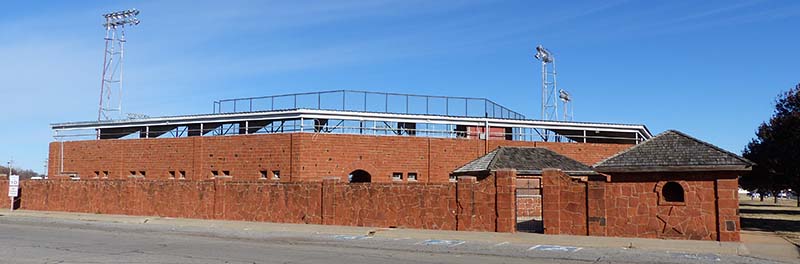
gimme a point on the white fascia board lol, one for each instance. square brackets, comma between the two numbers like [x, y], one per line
[176, 121]
[472, 121]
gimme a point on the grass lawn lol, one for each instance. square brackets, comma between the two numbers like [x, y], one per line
[782, 218]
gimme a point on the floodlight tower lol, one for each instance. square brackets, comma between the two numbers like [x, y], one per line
[549, 89]
[549, 84]
[567, 107]
[111, 86]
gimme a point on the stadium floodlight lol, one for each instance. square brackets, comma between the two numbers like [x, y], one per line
[564, 96]
[568, 109]
[121, 18]
[543, 54]
[122, 14]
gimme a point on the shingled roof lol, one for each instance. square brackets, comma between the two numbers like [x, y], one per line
[673, 151]
[526, 160]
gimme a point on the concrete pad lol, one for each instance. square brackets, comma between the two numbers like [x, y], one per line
[770, 246]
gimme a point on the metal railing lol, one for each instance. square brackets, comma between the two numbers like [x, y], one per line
[375, 102]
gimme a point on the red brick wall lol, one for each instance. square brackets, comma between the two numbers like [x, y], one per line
[338, 155]
[529, 207]
[587, 153]
[529, 197]
[4, 188]
[243, 156]
[298, 156]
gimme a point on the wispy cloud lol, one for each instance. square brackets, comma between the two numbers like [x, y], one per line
[397, 41]
[699, 16]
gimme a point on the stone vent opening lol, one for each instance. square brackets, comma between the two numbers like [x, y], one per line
[672, 192]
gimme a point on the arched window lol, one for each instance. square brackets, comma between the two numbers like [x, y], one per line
[672, 192]
[359, 176]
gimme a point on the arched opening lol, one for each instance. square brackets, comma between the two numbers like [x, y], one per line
[359, 176]
[672, 192]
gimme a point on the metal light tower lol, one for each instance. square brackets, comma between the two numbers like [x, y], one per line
[549, 84]
[549, 89]
[111, 86]
[567, 107]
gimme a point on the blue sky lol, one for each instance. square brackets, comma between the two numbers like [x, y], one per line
[708, 68]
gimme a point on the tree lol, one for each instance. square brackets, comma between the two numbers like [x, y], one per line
[776, 149]
[763, 179]
[23, 173]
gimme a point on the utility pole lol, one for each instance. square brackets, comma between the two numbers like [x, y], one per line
[10, 171]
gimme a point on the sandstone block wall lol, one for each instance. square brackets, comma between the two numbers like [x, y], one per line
[636, 208]
[412, 205]
[564, 208]
[298, 203]
[728, 224]
[631, 205]
[487, 203]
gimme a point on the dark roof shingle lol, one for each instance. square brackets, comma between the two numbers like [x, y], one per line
[526, 160]
[673, 151]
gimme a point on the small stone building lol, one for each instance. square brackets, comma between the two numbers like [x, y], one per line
[671, 186]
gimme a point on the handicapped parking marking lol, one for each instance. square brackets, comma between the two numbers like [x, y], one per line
[501, 244]
[556, 248]
[705, 257]
[348, 237]
[439, 242]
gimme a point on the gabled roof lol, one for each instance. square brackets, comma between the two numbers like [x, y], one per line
[526, 160]
[673, 151]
